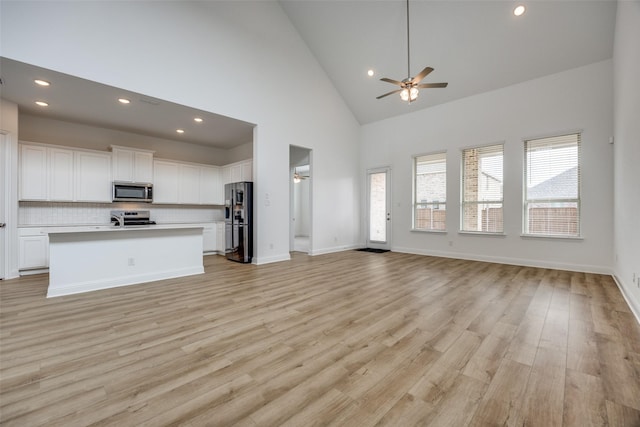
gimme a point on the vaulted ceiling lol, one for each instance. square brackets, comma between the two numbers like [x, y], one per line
[475, 46]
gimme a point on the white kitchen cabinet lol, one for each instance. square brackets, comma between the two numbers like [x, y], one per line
[211, 189]
[189, 184]
[132, 165]
[46, 173]
[60, 174]
[237, 172]
[186, 183]
[33, 172]
[92, 176]
[34, 249]
[220, 237]
[209, 238]
[247, 170]
[165, 182]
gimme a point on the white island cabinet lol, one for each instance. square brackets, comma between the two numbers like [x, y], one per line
[101, 258]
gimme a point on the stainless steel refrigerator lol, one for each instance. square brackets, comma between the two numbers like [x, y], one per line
[238, 198]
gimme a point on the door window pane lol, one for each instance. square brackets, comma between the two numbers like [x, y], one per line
[378, 207]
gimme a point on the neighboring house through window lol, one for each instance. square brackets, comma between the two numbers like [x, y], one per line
[482, 189]
[430, 192]
[552, 186]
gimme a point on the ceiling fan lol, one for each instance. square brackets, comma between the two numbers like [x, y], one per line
[297, 177]
[410, 87]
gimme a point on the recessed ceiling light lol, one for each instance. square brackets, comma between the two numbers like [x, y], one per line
[197, 119]
[123, 100]
[42, 103]
[180, 130]
[370, 73]
[41, 82]
[519, 10]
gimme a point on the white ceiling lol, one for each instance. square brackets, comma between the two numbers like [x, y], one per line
[82, 101]
[475, 46]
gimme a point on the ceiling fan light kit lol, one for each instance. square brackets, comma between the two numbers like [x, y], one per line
[410, 87]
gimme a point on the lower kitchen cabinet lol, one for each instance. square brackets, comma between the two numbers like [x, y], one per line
[220, 243]
[34, 251]
[209, 238]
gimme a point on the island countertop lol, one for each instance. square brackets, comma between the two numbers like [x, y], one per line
[115, 228]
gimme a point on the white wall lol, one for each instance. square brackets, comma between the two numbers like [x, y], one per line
[58, 132]
[627, 151]
[579, 99]
[239, 59]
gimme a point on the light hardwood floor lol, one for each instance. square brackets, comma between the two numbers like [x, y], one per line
[349, 339]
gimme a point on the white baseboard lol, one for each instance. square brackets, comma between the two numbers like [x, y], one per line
[507, 260]
[634, 306]
[95, 285]
[33, 271]
[334, 249]
[271, 259]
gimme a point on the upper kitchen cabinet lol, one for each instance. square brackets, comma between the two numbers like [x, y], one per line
[47, 173]
[165, 182]
[93, 176]
[211, 188]
[237, 172]
[186, 183]
[189, 184]
[132, 165]
[57, 174]
[34, 172]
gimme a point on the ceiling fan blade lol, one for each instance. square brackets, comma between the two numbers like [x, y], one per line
[432, 85]
[424, 73]
[390, 93]
[395, 82]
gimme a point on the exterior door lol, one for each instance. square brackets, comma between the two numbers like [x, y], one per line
[379, 208]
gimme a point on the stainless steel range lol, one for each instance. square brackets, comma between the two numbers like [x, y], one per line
[131, 218]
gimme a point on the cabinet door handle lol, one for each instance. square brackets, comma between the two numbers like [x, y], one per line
[2, 224]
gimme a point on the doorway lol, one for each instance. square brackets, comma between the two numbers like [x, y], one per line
[300, 199]
[4, 179]
[379, 208]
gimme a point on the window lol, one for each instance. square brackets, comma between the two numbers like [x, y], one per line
[552, 186]
[430, 192]
[482, 189]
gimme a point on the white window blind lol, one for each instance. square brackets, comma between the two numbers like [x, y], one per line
[552, 186]
[430, 192]
[482, 189]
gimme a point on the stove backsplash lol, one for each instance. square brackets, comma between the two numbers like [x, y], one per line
[58, 213]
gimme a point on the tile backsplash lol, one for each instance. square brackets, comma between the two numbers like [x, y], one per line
[58, 213]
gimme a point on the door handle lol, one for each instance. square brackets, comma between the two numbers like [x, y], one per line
[2, 224]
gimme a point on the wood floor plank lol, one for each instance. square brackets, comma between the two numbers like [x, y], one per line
[342, 339]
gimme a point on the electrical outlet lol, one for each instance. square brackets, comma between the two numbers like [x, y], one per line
[131, 262]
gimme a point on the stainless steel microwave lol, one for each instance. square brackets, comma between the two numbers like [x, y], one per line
[132, 192]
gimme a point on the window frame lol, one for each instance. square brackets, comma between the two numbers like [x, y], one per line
[526, 200]
[415, 203]
[464, 203]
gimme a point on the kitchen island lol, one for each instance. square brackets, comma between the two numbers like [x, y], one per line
[104, 257]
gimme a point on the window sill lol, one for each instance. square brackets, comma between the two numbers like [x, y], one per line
[551, 236]
[420, 230]
[481, 233]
